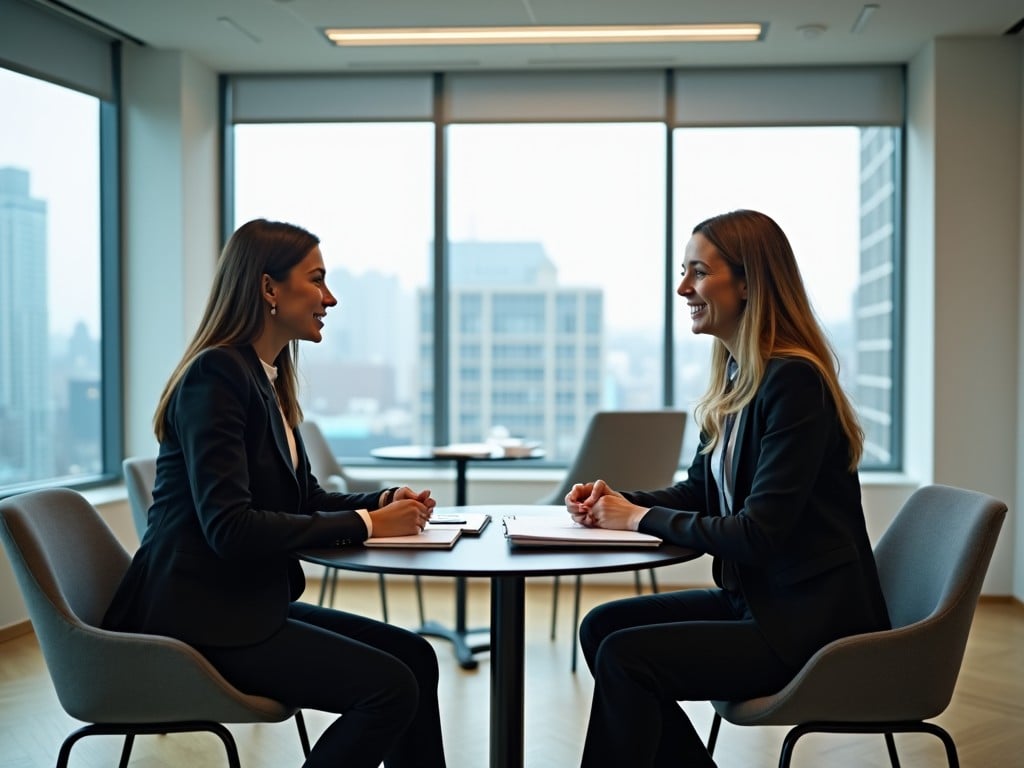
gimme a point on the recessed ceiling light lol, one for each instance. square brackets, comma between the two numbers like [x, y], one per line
[811, 31]
[728, 33]
[862, 18]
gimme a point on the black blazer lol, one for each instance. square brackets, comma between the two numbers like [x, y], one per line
[796, 538]
[215, 566]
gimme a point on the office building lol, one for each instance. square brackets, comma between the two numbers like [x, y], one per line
[26, 407]
[526, 352]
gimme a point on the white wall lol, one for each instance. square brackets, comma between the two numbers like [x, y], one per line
[963, 247]
[171, 220]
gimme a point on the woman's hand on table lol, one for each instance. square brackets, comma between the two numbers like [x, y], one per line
[407, 513]
[598, 505]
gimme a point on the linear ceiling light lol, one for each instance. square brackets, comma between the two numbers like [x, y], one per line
[676, 33]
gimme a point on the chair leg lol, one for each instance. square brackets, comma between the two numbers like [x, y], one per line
[947, 741]
[323, 584]
[639, 586]
[300, 723]
[334, 584]
[716, 724]
[129, 731]
[576, 621]
[914, 726]
[419, 599]
[383, 597]
[890, 746]
[229, 744]
[554, 607]
[126, 750]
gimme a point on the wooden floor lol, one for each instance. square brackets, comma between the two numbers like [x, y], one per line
[986, 716]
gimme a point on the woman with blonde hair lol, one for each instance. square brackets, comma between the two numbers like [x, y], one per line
[772, 495]
[234, 499]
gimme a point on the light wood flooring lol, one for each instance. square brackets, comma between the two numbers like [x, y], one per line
[986, 716]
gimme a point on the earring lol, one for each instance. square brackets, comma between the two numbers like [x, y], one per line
[273, 309]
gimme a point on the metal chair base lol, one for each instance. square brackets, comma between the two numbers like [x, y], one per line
[883, 727]
[131, 730]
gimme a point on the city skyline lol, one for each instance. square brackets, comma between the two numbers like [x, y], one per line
[54, 136]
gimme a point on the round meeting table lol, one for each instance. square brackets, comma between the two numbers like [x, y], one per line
[461, 636]
[490, 555]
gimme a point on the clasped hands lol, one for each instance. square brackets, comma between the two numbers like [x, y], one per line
[597, 505]
[408, 513]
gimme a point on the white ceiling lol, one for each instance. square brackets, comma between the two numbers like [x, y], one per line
[285, 35]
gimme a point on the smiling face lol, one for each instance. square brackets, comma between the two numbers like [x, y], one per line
[715, 296]
[302, 299]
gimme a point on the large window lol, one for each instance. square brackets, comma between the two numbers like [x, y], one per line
[366, 191]
[540, 204]
[51, 334]
[556, 253]
[833, 190]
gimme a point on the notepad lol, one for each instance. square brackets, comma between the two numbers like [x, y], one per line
[558, 532]
[471, 523]
[439, 537]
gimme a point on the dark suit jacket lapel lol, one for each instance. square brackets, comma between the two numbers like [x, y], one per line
[273, 409]
[740, 428]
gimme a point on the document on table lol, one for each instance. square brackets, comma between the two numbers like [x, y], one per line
[439, 537]
[471, 523]
[559, 532]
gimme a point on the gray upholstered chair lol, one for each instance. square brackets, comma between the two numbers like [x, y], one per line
[139, 478]
[68, 565]
[333, 477]
[932, 561]
[630, 450]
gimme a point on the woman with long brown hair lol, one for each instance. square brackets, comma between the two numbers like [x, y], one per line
[772, 495]
[234, 499]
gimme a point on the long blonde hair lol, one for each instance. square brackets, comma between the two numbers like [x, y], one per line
[234, 314]
[778, 321]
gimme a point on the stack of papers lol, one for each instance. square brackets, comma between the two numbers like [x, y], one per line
[563, 532]
[434, 537]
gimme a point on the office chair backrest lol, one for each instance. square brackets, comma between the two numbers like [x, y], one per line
[68, 564]
[932, 561]
[322, 461]
[630, 450]
[139, 479]
[935, 552]
[326, 469]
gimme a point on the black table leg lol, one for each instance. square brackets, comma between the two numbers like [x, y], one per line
[459, 635]
[508, 655]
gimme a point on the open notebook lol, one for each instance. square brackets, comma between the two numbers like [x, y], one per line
[563, 532]
[434, 537]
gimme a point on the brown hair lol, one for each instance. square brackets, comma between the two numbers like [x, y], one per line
[234, 313]
[778, 322]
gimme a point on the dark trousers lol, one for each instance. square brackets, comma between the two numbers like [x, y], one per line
[382, 679]
[648, 653]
